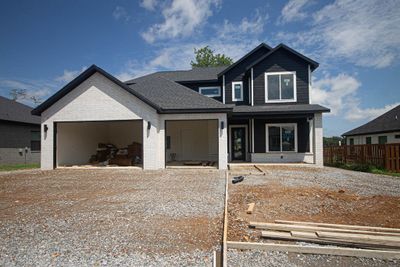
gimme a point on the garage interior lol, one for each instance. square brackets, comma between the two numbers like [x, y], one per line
[99, 144]
[191, 143]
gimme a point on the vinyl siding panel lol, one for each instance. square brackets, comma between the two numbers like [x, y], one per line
[281, 60]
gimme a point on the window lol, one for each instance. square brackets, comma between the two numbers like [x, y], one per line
[368, 140]
[281, 137]
[280, 87]
[351, 141]
[397, 136]
[237, 91]
[211, 91]
[382, 139]
[35, 141]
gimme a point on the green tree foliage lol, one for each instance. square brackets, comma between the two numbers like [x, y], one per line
[205, 57]
[333, 141]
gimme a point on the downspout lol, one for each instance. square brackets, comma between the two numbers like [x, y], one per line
[223, 89]
[252, 87]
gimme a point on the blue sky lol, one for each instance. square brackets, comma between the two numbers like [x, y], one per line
[45, 44]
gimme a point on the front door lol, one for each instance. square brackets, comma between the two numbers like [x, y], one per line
[238, 143]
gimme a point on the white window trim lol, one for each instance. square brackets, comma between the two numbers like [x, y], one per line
[281, 100]
[209, 87]
[223, 89]
[233, 91]
[280, 125]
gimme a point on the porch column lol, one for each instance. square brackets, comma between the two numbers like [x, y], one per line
[223, 143]
[318, 140]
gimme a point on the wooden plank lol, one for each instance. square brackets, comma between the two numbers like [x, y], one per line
[351, 252]
[366, 239]
[225, 234]
[250, 208]
[258, 168]
[343, 226]
[313, 238]
[310, 228]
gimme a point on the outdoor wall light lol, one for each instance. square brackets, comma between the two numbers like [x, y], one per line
[45, 128]
[222, 125]
[148, 125]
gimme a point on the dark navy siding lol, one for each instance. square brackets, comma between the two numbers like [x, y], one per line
[238, 74]
[303, 137]
[281, 60]
[195, 87]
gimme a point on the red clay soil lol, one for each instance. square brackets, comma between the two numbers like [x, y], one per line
[277, 202]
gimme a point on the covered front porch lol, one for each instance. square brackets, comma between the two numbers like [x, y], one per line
[275, 138]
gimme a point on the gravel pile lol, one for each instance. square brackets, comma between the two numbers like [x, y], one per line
[111, 217]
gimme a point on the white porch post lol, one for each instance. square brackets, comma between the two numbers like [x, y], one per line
[318, 140]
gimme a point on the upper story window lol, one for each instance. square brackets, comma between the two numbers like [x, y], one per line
[280, 87]
[210, 91]
[237, 91]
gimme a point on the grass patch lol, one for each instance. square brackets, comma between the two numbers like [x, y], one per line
[364, 168]
[14, 167]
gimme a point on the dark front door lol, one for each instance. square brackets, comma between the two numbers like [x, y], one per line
[238, 145]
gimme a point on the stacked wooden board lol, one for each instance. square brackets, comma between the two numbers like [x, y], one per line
[364, 238]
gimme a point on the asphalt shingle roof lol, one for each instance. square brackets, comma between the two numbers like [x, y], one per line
[387, 122]
[279, 109]
[195, 74]
[11, 110]
[169, 95]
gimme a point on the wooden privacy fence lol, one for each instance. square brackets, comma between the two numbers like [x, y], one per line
[385, 156]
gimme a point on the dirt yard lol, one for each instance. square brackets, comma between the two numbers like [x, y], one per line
[110, 217]
[326, 195]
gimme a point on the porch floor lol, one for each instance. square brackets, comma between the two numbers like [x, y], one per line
[182, 165]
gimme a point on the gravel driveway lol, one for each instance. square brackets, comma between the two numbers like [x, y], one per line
[110, 217]
[309, 194]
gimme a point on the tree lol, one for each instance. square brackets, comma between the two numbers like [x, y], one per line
[333, 141]
[18, 94]
[205, 58]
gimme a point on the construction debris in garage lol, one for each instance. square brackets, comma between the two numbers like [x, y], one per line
[109, 154]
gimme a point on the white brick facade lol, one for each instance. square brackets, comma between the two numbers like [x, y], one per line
[318, 140]
[99, 99]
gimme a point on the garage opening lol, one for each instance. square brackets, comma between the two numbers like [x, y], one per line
[99, 144]
[191, 143]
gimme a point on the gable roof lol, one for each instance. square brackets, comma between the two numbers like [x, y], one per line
[174, 98]
[157, 92]
[387, 122]
[195, 74]
[262, 45]
[11, 110]
[312, 63]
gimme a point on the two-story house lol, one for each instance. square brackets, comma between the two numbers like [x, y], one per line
[255, 110]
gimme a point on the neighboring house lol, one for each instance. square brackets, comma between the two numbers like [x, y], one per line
[255, 110]
[20, 133]
[382, 130]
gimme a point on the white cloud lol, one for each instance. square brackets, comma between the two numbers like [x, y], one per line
[120, 13]
[293, 11]
[362, 32]
[39, 90]
[149, 4]
[181, 19]
[334, 92]
[69, 75]
[356, 113]
[253, 26]
[340, 94]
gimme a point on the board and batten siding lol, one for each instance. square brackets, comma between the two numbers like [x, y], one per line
[279, 61]
[303, 134]
[237, 74]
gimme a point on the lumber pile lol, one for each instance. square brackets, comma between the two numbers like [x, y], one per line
[365, 237]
